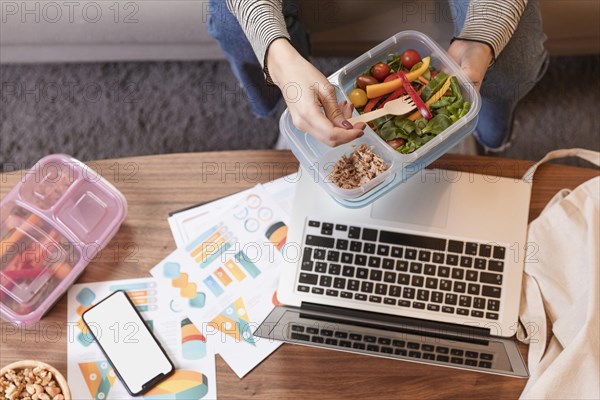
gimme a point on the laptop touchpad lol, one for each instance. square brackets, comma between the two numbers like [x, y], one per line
[422, 200]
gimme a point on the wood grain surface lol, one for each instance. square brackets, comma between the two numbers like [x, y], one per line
[156, 185]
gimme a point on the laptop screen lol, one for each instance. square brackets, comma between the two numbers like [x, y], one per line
[407, 339]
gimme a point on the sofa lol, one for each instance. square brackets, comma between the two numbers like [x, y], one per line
[37, 31]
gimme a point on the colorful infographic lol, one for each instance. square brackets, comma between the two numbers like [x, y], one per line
[142, 294]
[234, 270]
[277, 234]
[193, 343]
[186, 346]
[85, 298]
[234, 322]
[247, 263]
[182, 385]
[99, 378]
[209, 246]
[239, 267]
[239, 283]
[180, 280]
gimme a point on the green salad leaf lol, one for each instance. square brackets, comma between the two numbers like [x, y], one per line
[433, 86]
[443, 102]
[388, 131]
[446, 110]
[405, 126]
[437, 124]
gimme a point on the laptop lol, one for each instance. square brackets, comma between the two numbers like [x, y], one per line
[429, 273]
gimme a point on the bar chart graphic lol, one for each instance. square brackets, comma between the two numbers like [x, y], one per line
[247, 263]
[234, 270]
[209, 246]
[142, 294]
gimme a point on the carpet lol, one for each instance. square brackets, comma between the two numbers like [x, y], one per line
[107, 110]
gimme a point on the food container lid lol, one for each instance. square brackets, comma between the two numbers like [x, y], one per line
[53, 222]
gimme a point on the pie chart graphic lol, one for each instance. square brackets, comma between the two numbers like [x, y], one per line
[182, 385]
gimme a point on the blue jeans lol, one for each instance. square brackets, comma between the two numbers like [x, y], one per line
[519, 67]
[224, 27]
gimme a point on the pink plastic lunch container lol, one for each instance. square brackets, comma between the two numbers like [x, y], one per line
[53, 223]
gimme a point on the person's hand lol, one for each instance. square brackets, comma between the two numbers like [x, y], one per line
[474, 59]
[305, 90]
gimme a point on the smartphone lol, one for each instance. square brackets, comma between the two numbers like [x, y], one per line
[136, 356]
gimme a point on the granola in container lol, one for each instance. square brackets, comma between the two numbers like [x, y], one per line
[360, 167]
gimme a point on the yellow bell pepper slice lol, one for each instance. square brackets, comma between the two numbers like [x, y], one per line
[381, 89]
[438, 95]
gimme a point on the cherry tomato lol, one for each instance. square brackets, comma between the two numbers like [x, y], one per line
[381, 71]
[365, 80]
[358, 97]
[410, 57]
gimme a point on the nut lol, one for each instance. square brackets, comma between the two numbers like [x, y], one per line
[357, 169]
[30, 389]
[52, 390]
[30, 384]
[47, 379]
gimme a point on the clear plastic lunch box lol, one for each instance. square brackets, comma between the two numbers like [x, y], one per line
[319, 159]
[53, 223]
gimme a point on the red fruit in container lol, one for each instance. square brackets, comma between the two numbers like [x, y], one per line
[380, 71]
[409, 58]
[365, 80]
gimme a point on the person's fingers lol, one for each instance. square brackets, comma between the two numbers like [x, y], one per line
[360, 125]
[331, 107]
[317, 125]
[333, 128]
[322, 128]
[346, 109]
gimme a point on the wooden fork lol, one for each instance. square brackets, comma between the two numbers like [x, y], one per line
[399, 106]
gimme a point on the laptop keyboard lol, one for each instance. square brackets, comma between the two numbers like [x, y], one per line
[402, 270]
[389, 346]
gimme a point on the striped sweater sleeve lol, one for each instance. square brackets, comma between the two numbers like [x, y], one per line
[262, 21]
[488, 21]
[492, 22]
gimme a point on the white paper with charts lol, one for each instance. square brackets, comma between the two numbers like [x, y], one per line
[226, 278]
[186, 225]
[90, 375]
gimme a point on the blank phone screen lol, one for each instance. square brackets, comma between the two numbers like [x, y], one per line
[127, 342]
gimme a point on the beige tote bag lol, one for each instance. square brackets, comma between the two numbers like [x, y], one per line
[561, 282]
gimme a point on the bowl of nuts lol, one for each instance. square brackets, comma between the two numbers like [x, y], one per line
[32, 380]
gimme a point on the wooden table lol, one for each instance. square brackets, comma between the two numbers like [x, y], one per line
[155, 185]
